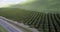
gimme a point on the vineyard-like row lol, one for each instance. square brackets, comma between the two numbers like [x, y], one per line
[44, 22]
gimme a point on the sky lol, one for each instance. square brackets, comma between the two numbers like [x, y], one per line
[6, 3]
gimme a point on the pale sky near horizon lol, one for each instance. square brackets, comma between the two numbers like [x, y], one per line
[6, 3]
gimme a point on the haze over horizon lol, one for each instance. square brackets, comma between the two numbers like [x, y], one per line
[6, 3]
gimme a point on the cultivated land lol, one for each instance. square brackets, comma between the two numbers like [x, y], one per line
[13, 13]
[45, 15]
[44, 22]
[2, 29]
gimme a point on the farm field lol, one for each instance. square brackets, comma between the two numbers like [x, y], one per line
[44, 22]
[2, 29]
[29, 15]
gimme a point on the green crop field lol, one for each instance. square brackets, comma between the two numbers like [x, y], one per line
[13, 13]
[44, 22]
[2, 29]
[44, 15]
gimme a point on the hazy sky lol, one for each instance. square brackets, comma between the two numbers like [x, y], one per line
[4, 3]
